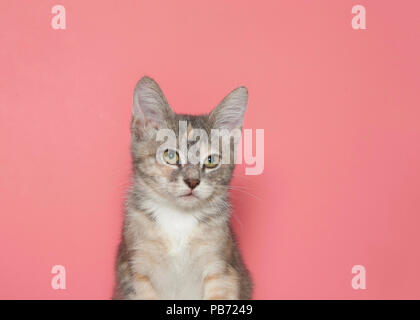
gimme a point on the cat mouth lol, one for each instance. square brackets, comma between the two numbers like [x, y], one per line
[188, 195]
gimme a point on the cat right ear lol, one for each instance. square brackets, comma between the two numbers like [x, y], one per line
[229, 114]
[150, 107]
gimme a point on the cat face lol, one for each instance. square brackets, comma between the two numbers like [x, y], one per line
[169, 173]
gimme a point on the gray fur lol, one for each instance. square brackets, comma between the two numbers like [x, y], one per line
[153, 186]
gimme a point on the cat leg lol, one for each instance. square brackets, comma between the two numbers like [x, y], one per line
[141, 265]
[221, 284]
[143, 287]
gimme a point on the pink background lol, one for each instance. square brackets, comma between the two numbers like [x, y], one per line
[340, 110]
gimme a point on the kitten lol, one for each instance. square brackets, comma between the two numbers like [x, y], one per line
[177, 241]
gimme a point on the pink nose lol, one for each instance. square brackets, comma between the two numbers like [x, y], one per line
[192, 183]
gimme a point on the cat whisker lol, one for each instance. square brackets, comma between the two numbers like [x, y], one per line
[240, 176]
[246, 192]
[237, 219]
[242, 187]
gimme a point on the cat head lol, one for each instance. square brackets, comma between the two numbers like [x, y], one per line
[190, 172]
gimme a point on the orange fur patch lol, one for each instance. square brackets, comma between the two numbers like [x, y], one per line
[141, 277]
[212, 277]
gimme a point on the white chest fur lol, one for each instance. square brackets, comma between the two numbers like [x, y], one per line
[179, 279]
[176, 226]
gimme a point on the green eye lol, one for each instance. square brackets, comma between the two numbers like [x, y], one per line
[212, 161]
[171, 157]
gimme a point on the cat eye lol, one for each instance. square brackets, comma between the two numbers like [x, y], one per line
[212, 161]
[171, 157]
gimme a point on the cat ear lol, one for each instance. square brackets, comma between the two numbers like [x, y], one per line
[229, 114]
[150, 106]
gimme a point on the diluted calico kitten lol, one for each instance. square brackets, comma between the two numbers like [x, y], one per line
[177, 241]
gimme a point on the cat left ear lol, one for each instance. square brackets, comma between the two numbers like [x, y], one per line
[229, 114]
[150, 106]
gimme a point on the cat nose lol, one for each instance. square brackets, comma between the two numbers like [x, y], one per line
[192, 183]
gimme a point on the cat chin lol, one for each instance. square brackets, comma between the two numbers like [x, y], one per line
[191, 202]
[188, 201]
